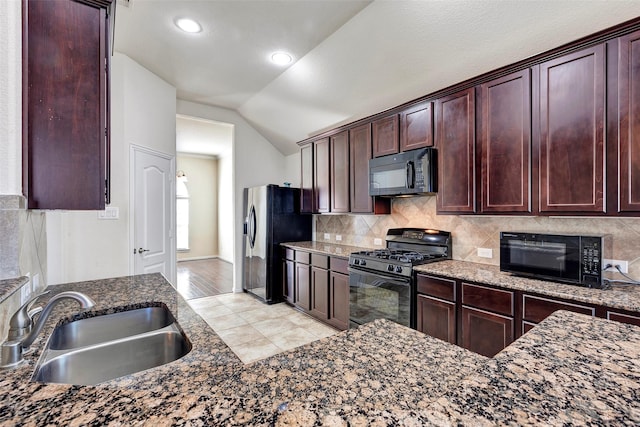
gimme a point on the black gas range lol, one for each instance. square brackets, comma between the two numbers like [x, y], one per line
[381, 281]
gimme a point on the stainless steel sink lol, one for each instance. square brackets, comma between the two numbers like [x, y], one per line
[106, 347]
[94, 330]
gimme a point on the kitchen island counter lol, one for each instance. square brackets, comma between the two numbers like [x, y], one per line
[380, 372]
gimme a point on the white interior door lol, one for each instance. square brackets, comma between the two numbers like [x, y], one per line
[153, 202]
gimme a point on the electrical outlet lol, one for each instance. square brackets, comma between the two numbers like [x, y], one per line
[338, 237]
[377, 242]
[485, 253]
[327, 236]
[624, 265]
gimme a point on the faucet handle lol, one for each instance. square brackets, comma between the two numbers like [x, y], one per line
[22, 320]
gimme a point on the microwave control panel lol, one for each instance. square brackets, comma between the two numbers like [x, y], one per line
[591, 248]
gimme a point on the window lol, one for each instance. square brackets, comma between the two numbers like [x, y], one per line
[182, 212]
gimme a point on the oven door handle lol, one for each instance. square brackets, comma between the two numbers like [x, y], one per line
[405, 280]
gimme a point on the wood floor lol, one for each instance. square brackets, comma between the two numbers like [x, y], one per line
[204, 278]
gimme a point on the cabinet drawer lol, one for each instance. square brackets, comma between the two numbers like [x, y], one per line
[437, 287]
[320, 261]
[303, 257]
[536, 309]
[623, 318]
[289, 254]
[340, 265]
[495, 300]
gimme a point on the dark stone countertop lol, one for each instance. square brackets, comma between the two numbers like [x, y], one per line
[570, 368]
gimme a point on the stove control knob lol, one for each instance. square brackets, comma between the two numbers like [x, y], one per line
[363, 262]
[356, 262]
[398, 269]
[390, 267]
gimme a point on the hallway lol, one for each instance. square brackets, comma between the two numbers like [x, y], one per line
[204, 278]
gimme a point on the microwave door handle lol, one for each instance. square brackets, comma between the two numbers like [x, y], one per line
[410, 175]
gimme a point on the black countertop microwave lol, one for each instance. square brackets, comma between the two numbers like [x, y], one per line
[408, 173]
[572, 259]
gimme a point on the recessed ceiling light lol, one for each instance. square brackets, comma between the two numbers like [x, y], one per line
[281, 58]
[188, 25]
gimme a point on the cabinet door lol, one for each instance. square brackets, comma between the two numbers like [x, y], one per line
[455, 140]
[306, 179]
[629, 122]
[319, 306]
[437, 318]
[572, 113]
[485, 333]
[340, 172]
[322, 176]
[288, 280]
[302, 286]
[505, 144]
[339, 300]
[360, 148]
[416, 127]
[65, 105]
[385, 136]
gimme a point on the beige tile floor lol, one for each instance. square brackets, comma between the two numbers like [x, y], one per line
[254, 330]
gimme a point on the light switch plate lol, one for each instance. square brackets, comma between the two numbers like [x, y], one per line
[110, 212]
[485, 253]
[338, 237]
[327, 236]
[377, 242]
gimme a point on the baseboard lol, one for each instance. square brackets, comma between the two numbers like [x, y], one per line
[198, 258]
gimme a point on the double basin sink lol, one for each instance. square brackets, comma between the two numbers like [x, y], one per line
[101, 348]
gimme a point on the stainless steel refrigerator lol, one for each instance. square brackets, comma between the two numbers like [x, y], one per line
[272, 216]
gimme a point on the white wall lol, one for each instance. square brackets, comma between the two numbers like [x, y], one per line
[256, 162]
[225, 207]
[81, 247]
[10, 97]
[202, 184]
[292, 168]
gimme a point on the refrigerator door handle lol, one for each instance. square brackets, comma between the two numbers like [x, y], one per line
[252, 227]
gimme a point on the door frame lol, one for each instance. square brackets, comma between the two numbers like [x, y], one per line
[172, 188]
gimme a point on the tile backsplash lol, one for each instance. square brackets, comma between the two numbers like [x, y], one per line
[471, 232]
[23, 240]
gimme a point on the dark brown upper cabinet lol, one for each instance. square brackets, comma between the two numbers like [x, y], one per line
[572, 138]
[455, 141]
[629, 122]
[306, 179]
[385, 136]
[65, 104]
[416, 127]
[360, 150]
[505, 144]
[322, 175]
[340, 172]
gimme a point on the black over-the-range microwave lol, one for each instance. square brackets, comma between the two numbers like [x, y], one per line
[573, 259]
[404, 174]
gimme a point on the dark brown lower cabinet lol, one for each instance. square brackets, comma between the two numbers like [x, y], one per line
[535, 309]
[437, 318]
[485, 333]
[623, 318]
[288, 280]
[302, 286]
[319, 306]
[339, 300]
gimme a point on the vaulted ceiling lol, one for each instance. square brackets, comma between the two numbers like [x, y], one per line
[352, 58]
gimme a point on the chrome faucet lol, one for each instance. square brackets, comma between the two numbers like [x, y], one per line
[23, 331]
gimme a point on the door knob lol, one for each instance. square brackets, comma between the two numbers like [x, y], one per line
[141, 250]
